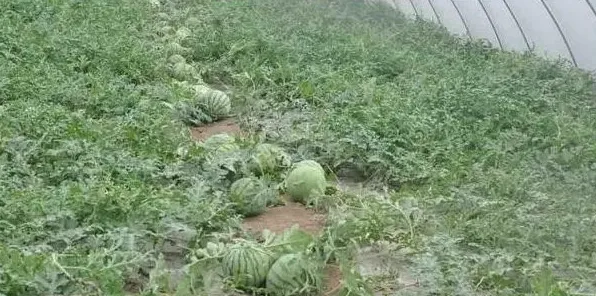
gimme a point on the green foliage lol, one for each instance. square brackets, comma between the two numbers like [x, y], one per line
[292, 240]
[497, 147]
[491, 154]
[93, 172]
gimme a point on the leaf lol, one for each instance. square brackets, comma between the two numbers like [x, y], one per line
[291, 241]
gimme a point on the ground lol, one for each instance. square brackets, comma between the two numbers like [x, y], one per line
[227, 126]
[280, 218]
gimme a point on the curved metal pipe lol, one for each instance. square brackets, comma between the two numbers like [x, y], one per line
[518, 25]
[462, 19]
[552, 16]
[491, 24]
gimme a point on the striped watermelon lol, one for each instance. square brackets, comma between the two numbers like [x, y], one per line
[176, 58]
[183, 71]
[250, 195]
[163, 15]
[269, 159]
[176, 48]
[182, 33]
[216, 103]
[193, 22]
[291, 273]
[228, 147]
[311, 163]
[223, 149]
[166, 30]
[306, 181]
[214, 142]
[247, 264]
[219, 144]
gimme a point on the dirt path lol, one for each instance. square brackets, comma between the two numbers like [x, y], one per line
[227, 126]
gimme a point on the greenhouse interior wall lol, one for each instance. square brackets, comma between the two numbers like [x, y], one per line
[552, 28]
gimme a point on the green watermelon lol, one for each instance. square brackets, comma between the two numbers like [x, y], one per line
[311, 163]
[247, 264]
[163, 15]
[176, 48]
[193, 22]
[227, 147]
[269, 159]
[251, 195]
[219, 144]
[176, 58]
[183, 71]
[216, 141]
[216, 103]
[291, 273]
[291, 240]
[166, 30]
[306, 180]
[182, 33]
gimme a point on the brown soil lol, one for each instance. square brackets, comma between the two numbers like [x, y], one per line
[134, 285]
[332, 280]
[278, 219]
[228, 126]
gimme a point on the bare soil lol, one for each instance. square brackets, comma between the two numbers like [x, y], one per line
[333, 278]
[278, 219]
[227, 126]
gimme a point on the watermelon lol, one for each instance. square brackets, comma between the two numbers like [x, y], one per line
[193, 21]
[216, 103]
[219, 144]
[227, 147]
[247, 265]
[311, 163]
[223, 149]
[291, 273]
[176, 58]
[269, 159]
[291, 240]
[250, 195]
[200, 89]
[215, 141]
[182, 33]
[165, 30]
[183, 71]
[176, 48]
[163, 15]
[306, 180]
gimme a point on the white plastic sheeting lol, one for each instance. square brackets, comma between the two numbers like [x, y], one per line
[552, 28]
